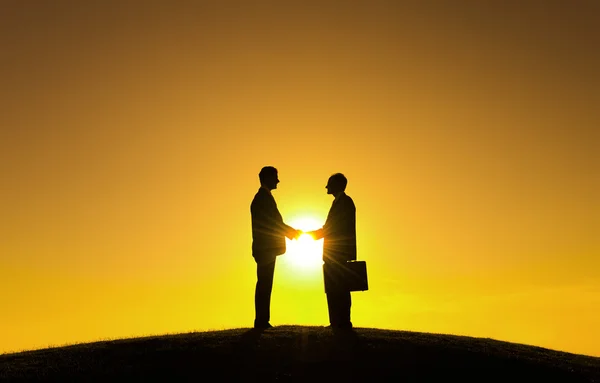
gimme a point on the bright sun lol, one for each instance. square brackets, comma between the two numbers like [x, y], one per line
[305, 252]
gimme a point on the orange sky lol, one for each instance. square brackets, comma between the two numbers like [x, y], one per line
[132, 133]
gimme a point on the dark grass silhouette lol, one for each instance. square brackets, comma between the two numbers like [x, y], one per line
[300, 354]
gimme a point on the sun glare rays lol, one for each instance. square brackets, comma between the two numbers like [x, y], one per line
[304, 253]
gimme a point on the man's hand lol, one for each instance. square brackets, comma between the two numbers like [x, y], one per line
[294, 233]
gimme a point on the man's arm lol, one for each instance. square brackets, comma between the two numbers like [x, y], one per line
[342, 220]
[290, 232]
[269, 220]
[285, 229]
[317, 234]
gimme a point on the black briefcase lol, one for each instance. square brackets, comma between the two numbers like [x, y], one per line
[348, 276]
[356, 276]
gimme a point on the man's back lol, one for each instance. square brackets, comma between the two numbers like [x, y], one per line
[268, 239]
[339, 243]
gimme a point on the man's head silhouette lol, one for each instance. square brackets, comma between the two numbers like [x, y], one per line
[268, 177]
[336, 184]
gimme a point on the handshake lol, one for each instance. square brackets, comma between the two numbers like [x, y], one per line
[295, 233]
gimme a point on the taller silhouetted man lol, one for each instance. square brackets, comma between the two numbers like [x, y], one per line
[339, 246]
[268, 241]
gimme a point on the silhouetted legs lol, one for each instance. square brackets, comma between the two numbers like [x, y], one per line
[339, 304]
[338, 297]
[262, 294]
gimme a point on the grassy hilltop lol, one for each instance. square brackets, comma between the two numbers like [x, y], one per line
[300, 354]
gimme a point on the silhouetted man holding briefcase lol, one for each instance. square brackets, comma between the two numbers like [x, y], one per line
[339, 247]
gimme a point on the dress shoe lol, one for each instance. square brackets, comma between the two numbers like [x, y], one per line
[263, 326]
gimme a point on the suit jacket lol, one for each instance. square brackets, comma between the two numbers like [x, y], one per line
[268, 229]
[339, 231]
